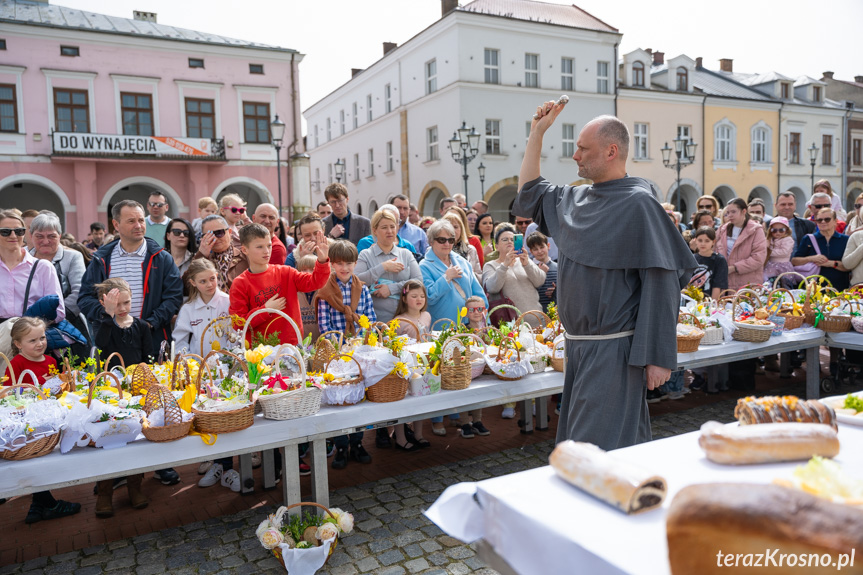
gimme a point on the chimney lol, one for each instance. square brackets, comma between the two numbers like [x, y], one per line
[858, 79]
[144, 16]
[649, 51]
[658, 58]
[389, 47]
[828, 75]
[355, 71]
[725, 65]
[447, 6]
[699, 62]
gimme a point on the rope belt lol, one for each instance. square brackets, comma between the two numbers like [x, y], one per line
[599, 337]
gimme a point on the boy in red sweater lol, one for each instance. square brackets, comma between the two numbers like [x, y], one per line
[274, 286]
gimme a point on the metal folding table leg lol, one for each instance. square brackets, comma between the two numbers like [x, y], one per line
[785, 368]
[246, 479]
[542, 413]
[527, 416]
[291, 478]
[813, 373]
[320, 478]
[269, 469]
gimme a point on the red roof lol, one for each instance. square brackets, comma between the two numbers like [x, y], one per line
[557, 14]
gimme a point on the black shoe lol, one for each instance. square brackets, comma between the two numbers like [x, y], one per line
[655, 396]
[466, 431]
[698, 382]
[382, 438]
[60, 509]
[479, 428]
[167, 476]
[2, 500]
[359, 453]
[340, 460]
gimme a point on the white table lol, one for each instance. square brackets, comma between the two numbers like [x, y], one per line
[535, 523]
[846, 340]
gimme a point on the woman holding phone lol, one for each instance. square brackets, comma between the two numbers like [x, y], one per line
[513, 275]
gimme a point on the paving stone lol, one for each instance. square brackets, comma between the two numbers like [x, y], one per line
[38, 563]
[122, 563]
[390, 557]
[367, 564]
[91, 570]
[209, 567]
[413, 550]
[232, 561]
[416, 565]
[150, 569]
[338, 558]
[474, 563]
[369, 525]
[460, 553]
[430, 546]
[438, 558]
[97, 559]
[458, 569]
[448, 541]
[10, 569]
[379, 545]
[394, 570]
[343, 570]
[60, 568]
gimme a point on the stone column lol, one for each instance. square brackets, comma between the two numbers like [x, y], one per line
[86, 199]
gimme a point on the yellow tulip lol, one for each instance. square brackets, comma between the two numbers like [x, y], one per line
[264, 351]
[253, 356]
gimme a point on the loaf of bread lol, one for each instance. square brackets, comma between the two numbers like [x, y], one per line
[733, 528]
[617, 482]
[788, 408]
[743, 444]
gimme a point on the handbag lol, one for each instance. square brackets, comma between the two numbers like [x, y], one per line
[810, 269]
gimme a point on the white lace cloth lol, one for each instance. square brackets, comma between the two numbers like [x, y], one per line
[83, 425]
[42, 417]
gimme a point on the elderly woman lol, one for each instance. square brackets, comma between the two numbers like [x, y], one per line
[385, 267]
[826, 251]
[222, 246]
[461, 246]
[45, 231]
[742, 242]
[513, 275]
[448, 277]
[181, 244]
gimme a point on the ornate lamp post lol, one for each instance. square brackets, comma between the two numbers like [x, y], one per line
[277, 134]
[684, 151]
[481, 170]
[340, 170]
[464, 147]
[813, 159]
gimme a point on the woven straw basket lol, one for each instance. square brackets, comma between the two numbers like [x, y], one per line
[222, 421]
[455, 369]
[558, 363]
[747, 332]
[689, 343]
[358, 380]
[791, 321]
[836, 323]
[300, 402]
[174, 428]
[326, 349]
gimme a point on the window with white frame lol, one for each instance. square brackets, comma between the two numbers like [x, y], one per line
[492, 136]
[567, 78]
[371, 163]
[492, 66]
[638, 74]
[354, 114]
[826, 149]
[602, 77]
[369, 108]
[531, 70]
[682, 79]
[431, 76]
[432, 144]
[316, 136]
[641, 143]
[857, 152]
[341, 122]
[389, 149]
[329, 130]
[318, 177]
[388, 98]
[356, 167]
[684, 132]
[568, 140]
[724, 141]
[761, 153]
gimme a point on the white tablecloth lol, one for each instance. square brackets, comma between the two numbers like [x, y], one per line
[541, 525]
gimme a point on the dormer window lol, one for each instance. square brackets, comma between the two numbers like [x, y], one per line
[816, 93]
[638, 74]
[784, 90]
[682, 79]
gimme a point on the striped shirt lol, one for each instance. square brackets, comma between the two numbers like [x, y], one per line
[130, 267]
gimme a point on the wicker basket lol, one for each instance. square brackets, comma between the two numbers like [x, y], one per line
[355, 381]
[777, 285]
[455, 368]
[544, 320]
[142, 379]
[477, 364]
[791, 321]
[391, 388]
[558, 363]
[277, 312]
[215, 325]
[278, 552]
[505, 342]
[8, 366]
[174, 428]
[325, 349]
[504, 306]
[293, 404]
[713, 335]
[222, 421]
[689, 343]
[42, 446]
[416, 328]
[747, 332]
[836, 323]
[434, 325]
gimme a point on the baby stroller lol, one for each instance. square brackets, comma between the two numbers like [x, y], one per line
[848, 372]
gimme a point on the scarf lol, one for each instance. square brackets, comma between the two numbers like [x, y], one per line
[223, 264]
[332, 294]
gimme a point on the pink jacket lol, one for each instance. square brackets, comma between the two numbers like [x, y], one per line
[747, 256]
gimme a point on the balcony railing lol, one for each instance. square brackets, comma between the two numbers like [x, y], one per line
[137, 147]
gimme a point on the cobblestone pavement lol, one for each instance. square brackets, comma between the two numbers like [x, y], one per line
[391, 535]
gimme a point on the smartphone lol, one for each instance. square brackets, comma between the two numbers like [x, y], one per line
[519, 242]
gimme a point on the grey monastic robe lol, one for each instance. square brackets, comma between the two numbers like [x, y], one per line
[621, 266]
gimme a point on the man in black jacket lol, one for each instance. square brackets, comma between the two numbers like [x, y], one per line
[342, 223]
[785, 205]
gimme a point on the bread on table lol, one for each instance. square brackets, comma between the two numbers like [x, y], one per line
[745, 444]
[619, 483]
[746, 522]
[788, 408]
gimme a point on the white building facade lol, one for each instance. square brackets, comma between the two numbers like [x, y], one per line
[390, 124]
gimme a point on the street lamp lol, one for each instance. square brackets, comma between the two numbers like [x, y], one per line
[464, 147]
[340, 170]
[277, 134]
[684, 151]
[813, 158]
[481, 170]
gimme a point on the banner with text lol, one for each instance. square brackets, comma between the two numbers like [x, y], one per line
[74, 143]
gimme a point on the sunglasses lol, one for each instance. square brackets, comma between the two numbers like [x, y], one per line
[821, 207]
[521, 223]
[858, 206]
[157, 204]
[237, 210]
[179, 232]
[823, 220]
[6, 232]
[777, 230]
[705, 207]
[475, 309]
[219, 233]
[443, 241]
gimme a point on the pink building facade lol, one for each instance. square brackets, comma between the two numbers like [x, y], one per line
[96, 109]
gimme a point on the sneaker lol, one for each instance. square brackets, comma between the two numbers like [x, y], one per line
[340, 461]
[655, 396]
[508, 413]
[557, 409]
[685, 390]
[331, 448]
[698, 382]
[167, 476]
[466, 431]
[204, 467]
[479, 428]
[60, 509]
[256, 459]
[231, 480]
[359, 453]
[382, 438]
[675, 395]
[441, 431]
[304, 468]
[213, 475]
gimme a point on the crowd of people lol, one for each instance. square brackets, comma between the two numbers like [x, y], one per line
[155, 279]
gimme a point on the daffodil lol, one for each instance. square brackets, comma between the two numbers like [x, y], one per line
[373, 339]
[364, 322]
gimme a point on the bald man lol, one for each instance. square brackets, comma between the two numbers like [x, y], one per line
[621, 321]
[268, 216]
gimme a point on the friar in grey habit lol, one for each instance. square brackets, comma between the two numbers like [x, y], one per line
[621, 266]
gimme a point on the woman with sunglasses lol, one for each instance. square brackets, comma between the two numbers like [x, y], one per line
[180, 242]
[855, 217]
[825, 248]
[222, 247]
[233, 209]
[780, 247]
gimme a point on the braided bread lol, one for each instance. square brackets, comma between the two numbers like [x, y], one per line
[788, 408]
